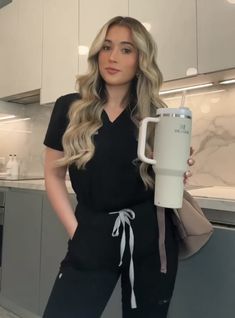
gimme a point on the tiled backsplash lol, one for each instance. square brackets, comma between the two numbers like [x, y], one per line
[213, 135]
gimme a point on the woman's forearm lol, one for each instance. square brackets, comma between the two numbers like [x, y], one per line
[59, 199]
[57, 191]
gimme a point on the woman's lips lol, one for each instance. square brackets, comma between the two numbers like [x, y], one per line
[111, 70]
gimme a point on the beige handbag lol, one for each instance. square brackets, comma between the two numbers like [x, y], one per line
[193, 227]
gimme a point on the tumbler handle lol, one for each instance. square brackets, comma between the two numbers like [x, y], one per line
[142, 139]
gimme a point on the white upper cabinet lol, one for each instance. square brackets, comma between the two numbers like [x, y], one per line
[173, 26]
[60, 48]
[29, 54]
[44, 43]
[21, 47]
[8, 40]
[216, 35]
[93, 14]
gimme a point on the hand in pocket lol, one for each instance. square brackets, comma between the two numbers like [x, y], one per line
[74, 232]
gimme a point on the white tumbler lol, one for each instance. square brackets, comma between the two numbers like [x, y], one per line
[170, 154]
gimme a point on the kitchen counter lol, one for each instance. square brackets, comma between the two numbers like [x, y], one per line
[214, 197]
[29, 184]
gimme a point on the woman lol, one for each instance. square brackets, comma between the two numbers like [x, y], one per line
[94, 134]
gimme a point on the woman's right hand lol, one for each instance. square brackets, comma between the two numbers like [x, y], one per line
[72, 230]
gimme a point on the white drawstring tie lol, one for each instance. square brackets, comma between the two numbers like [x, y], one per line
[124, 218]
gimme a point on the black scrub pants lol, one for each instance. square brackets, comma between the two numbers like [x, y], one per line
[90, 270]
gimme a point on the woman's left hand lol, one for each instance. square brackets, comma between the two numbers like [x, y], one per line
[191, 162]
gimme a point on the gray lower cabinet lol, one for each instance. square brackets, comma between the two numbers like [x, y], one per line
[21, 249]
[205, 283]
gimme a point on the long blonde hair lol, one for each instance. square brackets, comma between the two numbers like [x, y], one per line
[85, 114]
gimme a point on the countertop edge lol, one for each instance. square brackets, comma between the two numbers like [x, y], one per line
[30, 185]
[204, 202]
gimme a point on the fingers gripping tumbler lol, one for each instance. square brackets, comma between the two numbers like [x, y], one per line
[171, 151]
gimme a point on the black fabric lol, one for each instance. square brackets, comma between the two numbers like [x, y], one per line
[59, 121]
[90, 269]
[111, 179]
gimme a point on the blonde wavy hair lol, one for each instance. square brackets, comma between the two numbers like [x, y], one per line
[85, 114]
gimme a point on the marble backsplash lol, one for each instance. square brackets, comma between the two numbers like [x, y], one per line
[213, 135]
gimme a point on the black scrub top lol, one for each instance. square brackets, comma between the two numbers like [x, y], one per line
[111, 179]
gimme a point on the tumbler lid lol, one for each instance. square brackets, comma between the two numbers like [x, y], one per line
[182, 112]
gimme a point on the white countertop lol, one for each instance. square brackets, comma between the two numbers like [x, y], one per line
[30, 184]
[216, 192]
[215, 197]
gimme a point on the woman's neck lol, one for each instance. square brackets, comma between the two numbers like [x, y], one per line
[117, 96]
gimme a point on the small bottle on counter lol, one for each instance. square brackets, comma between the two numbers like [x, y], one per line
[2, 164]
[15, 167]
[9, 165]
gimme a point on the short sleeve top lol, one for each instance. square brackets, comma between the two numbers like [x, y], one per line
[111, 180]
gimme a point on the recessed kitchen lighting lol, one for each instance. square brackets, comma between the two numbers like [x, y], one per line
[231, 81]
[185, 88]
[195, 94]
[14, 120]
[231, 1]
[7, 117]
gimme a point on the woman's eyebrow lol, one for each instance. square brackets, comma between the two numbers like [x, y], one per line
[122, 42]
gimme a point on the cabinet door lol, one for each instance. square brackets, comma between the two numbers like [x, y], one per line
[60, 48]
[29, 52]
[21, 249]
[8, 48]
[92, 18]
[216, 30]
[53, 249]
[205, 283]
[173, 26]
[21, 47]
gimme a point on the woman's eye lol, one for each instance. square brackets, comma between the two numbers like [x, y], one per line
[106, 47]
[126, 50]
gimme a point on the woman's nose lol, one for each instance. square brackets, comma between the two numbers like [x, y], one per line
[113, 55]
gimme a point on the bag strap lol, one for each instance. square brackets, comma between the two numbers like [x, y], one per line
[161, 241]
[189, 198]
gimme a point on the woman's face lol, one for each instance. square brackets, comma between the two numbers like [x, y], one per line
[118, 58]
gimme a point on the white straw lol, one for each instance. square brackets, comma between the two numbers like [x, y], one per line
[183, 99]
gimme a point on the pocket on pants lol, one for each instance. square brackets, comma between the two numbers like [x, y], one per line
[93, 247]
